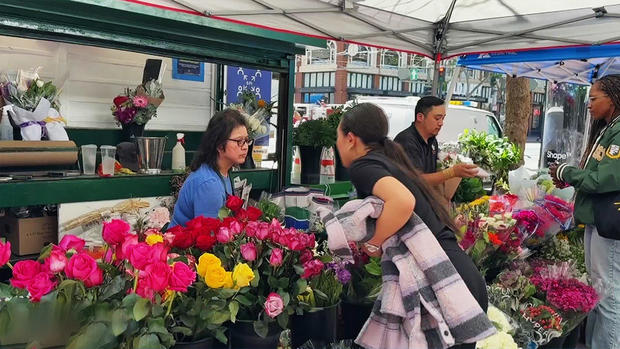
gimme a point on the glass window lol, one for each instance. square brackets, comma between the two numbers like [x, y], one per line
[390, 59]
[494, 128]
[312, 80]
[306, 80]
[333, 79]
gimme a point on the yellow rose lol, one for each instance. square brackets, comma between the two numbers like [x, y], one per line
[228, 283]
[153, 239]
[215, 276]
[242, 275]
[205, 261]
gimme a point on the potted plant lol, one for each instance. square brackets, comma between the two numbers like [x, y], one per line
[134, 108]
[322, 297]
[311, 136]
[360, 293]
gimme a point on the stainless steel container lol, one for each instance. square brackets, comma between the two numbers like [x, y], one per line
[150, 153]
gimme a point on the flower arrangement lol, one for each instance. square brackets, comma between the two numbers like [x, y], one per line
[503, 338]
[364, 276]
[276, 264]
[35, 106]
[257, 113]
[139, 105]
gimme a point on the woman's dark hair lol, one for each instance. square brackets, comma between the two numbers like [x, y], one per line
[215, 137]
[610, 85]
[369, 123]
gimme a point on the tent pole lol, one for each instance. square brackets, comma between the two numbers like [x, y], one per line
[435, 87]
[456, 76]
[439, 40]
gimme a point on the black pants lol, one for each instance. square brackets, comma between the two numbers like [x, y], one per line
[470, 275]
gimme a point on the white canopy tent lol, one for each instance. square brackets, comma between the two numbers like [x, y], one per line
[434, 28]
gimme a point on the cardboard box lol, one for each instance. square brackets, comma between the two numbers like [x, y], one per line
[29, 235]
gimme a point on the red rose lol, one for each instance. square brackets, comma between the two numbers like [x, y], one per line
[254, 213]
[80, 266]
[251, 228]
[241, 215]
[234, 203]
[205, 241]
[39, 286]
[57, 260]
[181, 277]
[119, 100]
[124, 250]
[23, 272]
[69, 242]
[202, 224]
[156, 276]
[183, 238]
[95, 278]
[228, 221]
[114, 231]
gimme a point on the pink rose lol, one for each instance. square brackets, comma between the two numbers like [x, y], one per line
[39, 286]
[57, 260]
[181, 277]
[95, 278]
[114, 231]
[251, 228]
[274, 305]
[263, 231]
[159, 253]
[69, 242]
[140, 255]
[80, 266]
[248, 251]
[156, 276]
[312, 268]
[125, 248]
[24, 272]
[224, 235]
[236, 227]
[305, 256]
[5, 253]
[140, 101]
[276, 257]
[144, 290]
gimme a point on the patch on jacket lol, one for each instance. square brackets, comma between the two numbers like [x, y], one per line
[613, 152]
[599, 153]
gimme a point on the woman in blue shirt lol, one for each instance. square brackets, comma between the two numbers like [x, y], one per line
[224, 144]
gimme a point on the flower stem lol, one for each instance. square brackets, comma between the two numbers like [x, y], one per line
[136, 273]
[170, 304]
[9, 265]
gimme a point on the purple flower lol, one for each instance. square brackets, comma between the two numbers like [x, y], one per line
[125, 115]
[344, 276]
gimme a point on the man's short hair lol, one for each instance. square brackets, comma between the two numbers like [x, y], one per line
[426, 103]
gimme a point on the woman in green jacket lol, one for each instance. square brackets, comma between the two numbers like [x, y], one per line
[598, 174]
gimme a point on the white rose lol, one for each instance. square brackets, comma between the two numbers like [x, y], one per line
[40, 83]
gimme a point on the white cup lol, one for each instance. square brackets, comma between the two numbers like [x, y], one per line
[89, 159]
[108, 153]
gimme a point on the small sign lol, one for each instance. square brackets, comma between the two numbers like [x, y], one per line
[188, 70]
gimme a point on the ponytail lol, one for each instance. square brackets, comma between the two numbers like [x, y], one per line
[369, 123]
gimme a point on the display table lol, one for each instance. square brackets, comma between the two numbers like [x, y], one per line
[45, 190]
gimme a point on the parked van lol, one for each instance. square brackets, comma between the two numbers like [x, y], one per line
[400, 112]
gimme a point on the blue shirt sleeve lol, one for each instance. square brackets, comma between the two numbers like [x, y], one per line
[208, 198]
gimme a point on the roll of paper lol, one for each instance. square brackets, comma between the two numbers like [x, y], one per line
[37, 153]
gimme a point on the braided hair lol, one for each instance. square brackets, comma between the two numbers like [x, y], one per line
[610, 85]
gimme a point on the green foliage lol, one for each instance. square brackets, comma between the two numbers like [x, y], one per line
[365, 284]
[469, 190]
[318, 132]
[324, 290]
[270, 210]
[30, 98]
[498, 155]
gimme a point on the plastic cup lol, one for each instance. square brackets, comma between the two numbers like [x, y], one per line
[108, 159]
[89, 159]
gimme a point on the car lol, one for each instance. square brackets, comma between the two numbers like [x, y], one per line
[400, 113]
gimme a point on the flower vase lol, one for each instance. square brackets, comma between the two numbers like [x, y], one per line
[242, 336]
[354, 316]
[317, 324]
[249, 161]
[130, 131]
[204, 343]
[310, 164]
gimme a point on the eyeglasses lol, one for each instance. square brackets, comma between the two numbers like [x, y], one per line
[242, 141]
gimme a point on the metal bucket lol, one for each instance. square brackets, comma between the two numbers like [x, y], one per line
[150, 153]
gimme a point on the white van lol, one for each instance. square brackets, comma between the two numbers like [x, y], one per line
[400, 112]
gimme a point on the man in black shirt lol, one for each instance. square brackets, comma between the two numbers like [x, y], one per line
[420, 143]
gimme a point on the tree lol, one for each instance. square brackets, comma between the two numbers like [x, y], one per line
[518, 110]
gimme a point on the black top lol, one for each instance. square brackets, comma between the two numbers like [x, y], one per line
[367, 170]
[423, 155]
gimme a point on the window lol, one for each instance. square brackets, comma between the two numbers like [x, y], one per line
[358, 80]
[322, 55]
[321, 79]
[362, 58]
[392, 59]
[317, 98]
[494, 128]
[390, 83]
[417, 88]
